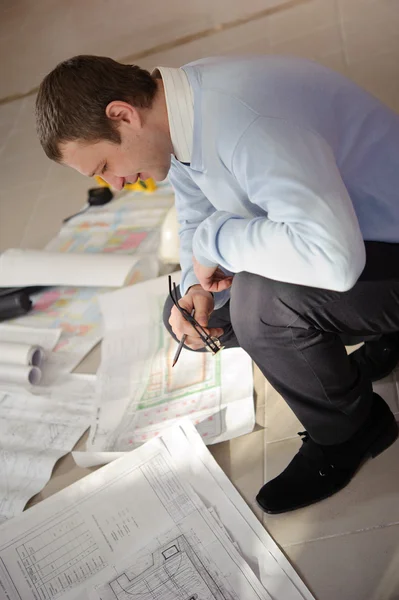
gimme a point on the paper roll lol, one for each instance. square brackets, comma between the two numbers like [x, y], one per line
[22, 268]
[24, 375]
[94, 459]
[21, 354]
[46, 338]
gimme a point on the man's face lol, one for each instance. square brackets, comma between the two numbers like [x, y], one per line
[144, 152]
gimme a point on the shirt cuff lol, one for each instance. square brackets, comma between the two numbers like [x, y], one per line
[187, 281]
[200, 249]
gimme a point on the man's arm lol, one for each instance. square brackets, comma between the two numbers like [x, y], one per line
[192, 209]
[309, 234]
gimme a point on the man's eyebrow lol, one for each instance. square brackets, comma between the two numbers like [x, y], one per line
[95, 170]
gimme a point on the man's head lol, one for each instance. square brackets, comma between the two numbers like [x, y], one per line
[104, 118]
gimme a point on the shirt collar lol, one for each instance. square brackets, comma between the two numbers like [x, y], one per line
[180, 106]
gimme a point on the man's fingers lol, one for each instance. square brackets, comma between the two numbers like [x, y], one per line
[203, 305]
[201, 317]
[195, 342]
[219, 286]
[216, 332]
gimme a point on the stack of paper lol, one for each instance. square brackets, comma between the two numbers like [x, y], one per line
[163, 522]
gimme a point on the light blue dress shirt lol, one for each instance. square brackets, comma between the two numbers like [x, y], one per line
[292, 167]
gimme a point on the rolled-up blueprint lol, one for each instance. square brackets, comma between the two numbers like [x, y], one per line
[24, 375]
[22, 268]
[21, 354]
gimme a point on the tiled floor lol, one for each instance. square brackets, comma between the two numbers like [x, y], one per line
[345, 547]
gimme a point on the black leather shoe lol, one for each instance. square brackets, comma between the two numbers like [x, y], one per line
[318, 472]
[378, 358]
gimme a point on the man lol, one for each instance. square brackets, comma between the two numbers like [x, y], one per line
[286, 177]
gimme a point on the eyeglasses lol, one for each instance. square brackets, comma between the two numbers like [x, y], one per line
[212, 343]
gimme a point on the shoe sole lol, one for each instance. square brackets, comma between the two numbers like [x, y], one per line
[387, 437]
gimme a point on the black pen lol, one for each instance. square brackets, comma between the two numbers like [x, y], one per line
[181, 344]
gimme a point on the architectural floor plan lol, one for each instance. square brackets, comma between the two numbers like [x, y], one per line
[174, 571]
[140, 393]
[136, 529]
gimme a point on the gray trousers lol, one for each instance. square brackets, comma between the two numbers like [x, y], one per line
[295, 335]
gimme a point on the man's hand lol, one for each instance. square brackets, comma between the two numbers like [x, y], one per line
[212, 279]
[202, 302]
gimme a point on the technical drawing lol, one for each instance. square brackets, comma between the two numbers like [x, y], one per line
[60, 557]
[201, 373]
[175, 572]
[166, 394]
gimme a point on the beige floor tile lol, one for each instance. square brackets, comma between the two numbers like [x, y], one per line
[373, 29]
[242, 461]
[9, 115]
[302, 20]
[226, 11]
[10, 112]
[128, 30]
[249, 38]
[370, 500]
[23, 143]
[378, 75]
[65, 179]
[16, 208]
[350, 9]
[21, 169]
[106, 28]
[336, 62]
[281, 423]
[23, 159]
[91, 362]
[26, 116]
[317, 44]
[18, 72]
[361, 566]
[12, 15]
[48, 215]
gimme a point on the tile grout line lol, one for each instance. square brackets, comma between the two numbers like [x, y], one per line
[343, 534]
[183, 40]
[285, 439]
[341, 32]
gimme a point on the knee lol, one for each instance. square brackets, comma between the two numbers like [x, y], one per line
[258, 303]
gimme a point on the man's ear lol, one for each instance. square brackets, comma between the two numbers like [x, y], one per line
[123, 112]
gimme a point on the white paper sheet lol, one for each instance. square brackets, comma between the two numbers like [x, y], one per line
[138, 391]
[137, 527]
[40, 267]
[35, 431]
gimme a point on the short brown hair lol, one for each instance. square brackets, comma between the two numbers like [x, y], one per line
[71, 101]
